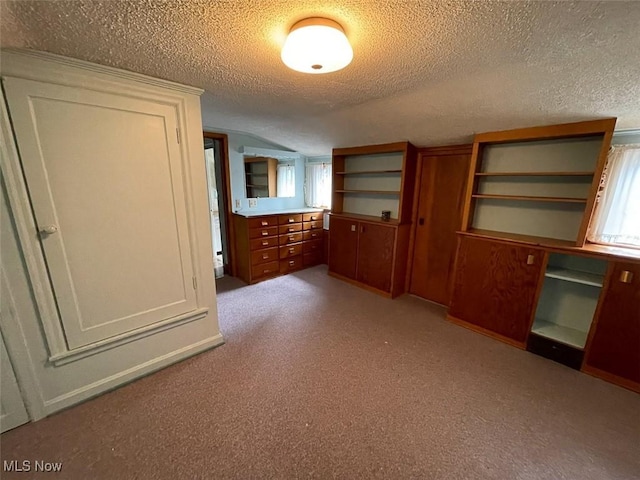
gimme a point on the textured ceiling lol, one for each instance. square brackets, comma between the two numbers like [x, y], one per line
[432, 72]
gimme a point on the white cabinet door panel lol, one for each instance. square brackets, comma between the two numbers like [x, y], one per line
[105, 172]
[12, 410]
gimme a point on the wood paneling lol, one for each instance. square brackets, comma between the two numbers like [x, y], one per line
[375, 255]
[614, 346]
[343, 246]
[440, 205]
[494, 288]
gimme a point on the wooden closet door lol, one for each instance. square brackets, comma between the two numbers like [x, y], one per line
[343, 246]
[375, 255]
[615, 344]
[495, 288]
[442, 189]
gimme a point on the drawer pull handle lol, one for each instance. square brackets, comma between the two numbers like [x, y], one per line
[291, 220]
[626, 276]
[291, 238]
[264, 234]
[530, 259]
[266, 271]
[291, 230]
[265, 244]
[313, 218]
[265, 256]
[264, 223]
[291, 250]
[292, 262]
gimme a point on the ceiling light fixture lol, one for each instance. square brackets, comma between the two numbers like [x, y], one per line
[316, 45]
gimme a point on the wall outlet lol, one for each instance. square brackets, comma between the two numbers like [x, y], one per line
[253, 202]
[238, 204]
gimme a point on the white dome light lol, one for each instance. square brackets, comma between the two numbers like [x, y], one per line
[316, 45]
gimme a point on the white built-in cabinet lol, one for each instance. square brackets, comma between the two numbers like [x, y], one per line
[12, 410]
[107, 193]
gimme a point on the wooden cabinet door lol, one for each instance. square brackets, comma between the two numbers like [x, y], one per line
[343, 246]
[494, 287]
[442, 187]
[375, 255]
[615, 344]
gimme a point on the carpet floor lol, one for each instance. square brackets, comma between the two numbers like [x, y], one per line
[321, 379]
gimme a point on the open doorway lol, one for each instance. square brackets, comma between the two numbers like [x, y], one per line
[217, 165]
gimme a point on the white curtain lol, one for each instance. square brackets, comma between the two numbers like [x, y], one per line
[617, 216]
[286, 181]
[318, 185]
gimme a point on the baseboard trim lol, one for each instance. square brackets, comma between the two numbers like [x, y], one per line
[611, 378]
[488, 333]
[356, 283]
[101, 386]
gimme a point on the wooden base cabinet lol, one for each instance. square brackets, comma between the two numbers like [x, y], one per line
[272, 245]
[495, 288]
[369, 253]
[613, 350]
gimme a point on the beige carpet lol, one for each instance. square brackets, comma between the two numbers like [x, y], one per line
[320, 379]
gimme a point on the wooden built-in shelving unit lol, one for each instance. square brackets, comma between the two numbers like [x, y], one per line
[539, 181]
[363, 248]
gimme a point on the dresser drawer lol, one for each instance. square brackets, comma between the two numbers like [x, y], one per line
[290, 228]
[265, 270]
[260, 243]
[308, 217]
[310, 259]
[291, 238]
[264, 256]
[290, 264]
[291, 218]
[259, 222]
[263, 232]
[292, 250]
[316, 224]
[312, 246]
[312, 235]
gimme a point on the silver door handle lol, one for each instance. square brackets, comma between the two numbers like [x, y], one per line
[48, 229]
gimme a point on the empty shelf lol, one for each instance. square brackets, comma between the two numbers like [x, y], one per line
[566, 335]
[575, 276]
[534, 174]
[530, 198]
[367, 172]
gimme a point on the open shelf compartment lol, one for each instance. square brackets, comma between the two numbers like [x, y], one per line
[569, 297]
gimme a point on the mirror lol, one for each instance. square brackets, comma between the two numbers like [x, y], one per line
[267, 177]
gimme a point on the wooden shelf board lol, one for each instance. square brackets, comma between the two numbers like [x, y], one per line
[378, 192]
[365, 218]
[569, 336]
[515, 237]
[531, 199]
[575, 276]
[535, 174]
[366, 172]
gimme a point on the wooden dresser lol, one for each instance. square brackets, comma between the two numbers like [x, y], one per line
[276, 244]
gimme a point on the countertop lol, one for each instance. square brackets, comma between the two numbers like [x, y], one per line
[253, 213]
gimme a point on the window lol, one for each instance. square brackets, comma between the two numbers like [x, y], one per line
[286, 181]
[617, 217]
[318, 185]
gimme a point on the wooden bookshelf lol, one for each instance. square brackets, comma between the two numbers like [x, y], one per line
[537, 181]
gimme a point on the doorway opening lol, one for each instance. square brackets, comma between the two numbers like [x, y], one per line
[217, 166]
